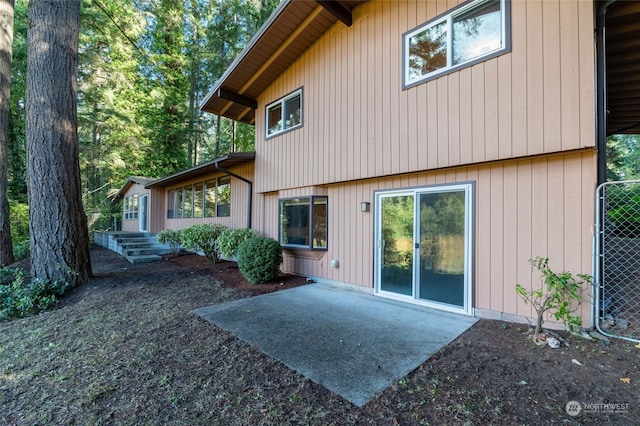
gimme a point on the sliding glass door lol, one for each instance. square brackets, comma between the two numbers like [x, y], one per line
[424, 245]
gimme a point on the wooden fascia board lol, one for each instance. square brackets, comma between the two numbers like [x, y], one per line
[337, 10]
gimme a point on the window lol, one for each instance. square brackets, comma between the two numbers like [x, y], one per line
[172, 201]
[198, 199]
[284, 114]
[223, 197]
[130, 206]
[303, 222]
[211, 198]
[474, 31]
[187, 210]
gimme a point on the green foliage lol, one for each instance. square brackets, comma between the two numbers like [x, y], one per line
[19, 298]
[623, 157]
[259, 259]
[19, 218]
[171, 238]
[203, 237]
[21, 250]
[623, 210]
[560, 295]
[230, 239]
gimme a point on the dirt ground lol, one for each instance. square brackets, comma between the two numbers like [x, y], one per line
[126, 349]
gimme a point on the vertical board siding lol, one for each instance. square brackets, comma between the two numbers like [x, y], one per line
[523, 209]
[359, 123]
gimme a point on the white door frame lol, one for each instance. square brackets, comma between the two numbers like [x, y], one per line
[469, 190]
[143, 213]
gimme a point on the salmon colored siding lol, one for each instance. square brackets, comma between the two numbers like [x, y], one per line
[524, 208]
[358, 123]
[133, 225]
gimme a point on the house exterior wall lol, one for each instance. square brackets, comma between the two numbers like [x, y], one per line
[521, 126]
[540, 206]
[360, 124]
[133, 225]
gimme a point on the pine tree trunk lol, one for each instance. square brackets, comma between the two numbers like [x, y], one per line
[59, 235]
[6, 46]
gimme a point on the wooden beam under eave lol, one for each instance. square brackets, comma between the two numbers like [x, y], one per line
[337, 10]
[237, 98]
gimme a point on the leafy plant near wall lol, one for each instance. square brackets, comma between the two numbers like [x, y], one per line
[20, 298]
[230, 239]
[259, 259]
[560, 295]
[171, 238]
[203, 238]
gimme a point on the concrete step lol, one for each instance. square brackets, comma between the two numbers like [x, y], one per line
[142, 251]
[144, 258]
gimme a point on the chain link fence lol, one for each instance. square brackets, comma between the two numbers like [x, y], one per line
[618, 260]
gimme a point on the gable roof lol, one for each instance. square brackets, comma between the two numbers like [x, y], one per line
[290, 30]
[131, 181]
[217, 164]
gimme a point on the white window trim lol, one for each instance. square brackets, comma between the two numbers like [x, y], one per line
[505, 7]
[281, 102]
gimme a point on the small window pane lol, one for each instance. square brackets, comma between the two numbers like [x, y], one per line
[477, 32]
[428, 50]
[292, 112]
[274, 117]
[224, 197]
[179, 198]
[198, 199]
[210, 198]
[187, 212]
[134, 207]
[320, 223]
[294, 222]
[171, 204]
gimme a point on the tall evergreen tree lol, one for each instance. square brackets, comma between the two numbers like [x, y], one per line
[58, 226]
[6, 48]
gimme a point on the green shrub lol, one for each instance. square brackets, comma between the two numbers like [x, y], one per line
[259, 259]
[171, 238]
[20, 299]
[203, 238]
[230, 239]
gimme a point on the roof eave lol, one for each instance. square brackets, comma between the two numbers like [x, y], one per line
[229, 160]
[252, 43]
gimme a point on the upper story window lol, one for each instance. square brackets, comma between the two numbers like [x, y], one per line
[472, 32]
[284, 114]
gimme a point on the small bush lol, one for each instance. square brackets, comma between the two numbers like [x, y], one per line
[20, 299]
[259, 259]
[203, 238]
[230, 239]
[171, 238]
[560, 294]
